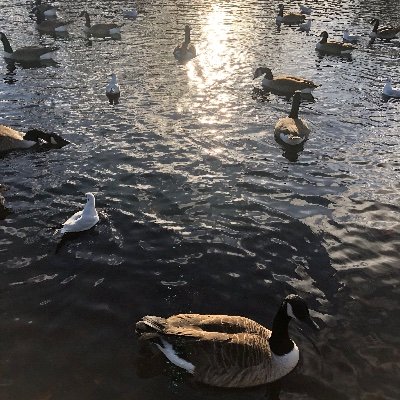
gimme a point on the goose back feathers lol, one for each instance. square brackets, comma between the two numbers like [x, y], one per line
[227, 351]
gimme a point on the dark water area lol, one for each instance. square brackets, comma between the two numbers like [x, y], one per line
[200, 209]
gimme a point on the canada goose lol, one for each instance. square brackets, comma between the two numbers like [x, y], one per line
[186, 51]
[48, 10]
[228, 351]
[292, 130]
[332, 47]
[389, 90]
[82, 220]
[284, 84]
[347, 38]
[112, 90]
[100, 30]
[11, 139]
[289, 19]
[26, 54]
[50, 25]
[306, 26]
[304, 9]
[384, 33]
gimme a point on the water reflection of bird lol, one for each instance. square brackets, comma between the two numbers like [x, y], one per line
[186, 51]
[384, 33]
[290, 18]
[292, 130]
[82, 220]
[228, 351]
[284, 84]
[28, 53]
[11, 139]
[333, 47]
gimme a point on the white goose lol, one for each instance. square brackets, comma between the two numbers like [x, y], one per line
[113, 92]
[389, 90]
[82, 220]
[228, 351]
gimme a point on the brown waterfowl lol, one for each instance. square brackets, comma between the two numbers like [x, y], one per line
[51, 26]
[186, 50]
[384, 33]
[101, 29]
[228, 351]
[284, 84]
[28, 53]
[11, 139]
[332, 47]
[292, 130]
[290, 18]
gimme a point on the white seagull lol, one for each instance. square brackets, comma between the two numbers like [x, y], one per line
[82, 220]
[389, 90]
[112, 90]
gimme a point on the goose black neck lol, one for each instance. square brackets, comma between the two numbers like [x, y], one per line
[39, 17]
[294, 112]
[6, 44]
[324, 39]
[187, 36]
[87, 20]
[280, 13]
[376, 25]
[280, 342]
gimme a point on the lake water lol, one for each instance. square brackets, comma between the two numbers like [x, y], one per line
[201, 210]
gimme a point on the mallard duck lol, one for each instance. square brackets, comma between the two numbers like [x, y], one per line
[82, 220]
[292, 130]
[48, 10]
[186, 51]
[389, 90]
[112, 90]
[332, 47]
[347, 38]
[284, 84]
[100, 30]
[228, 351]
[28, 53]
[304, 9]
[11, 139]
[50, 25]
[384, 33]
[289, 19]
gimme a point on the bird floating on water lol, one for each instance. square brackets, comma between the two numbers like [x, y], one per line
[82, 220]
[347, 38]
[384, 33]
[11, 139]
[292, 130]
[132, 13]
[389, 90]
[228, 351]
[284, 84]
[306, 26]
[186, 51]
[113, 92]
[100, 30]
[28, 53]
[48, 10]
[332, 47]
[50, 25]
[290, 18]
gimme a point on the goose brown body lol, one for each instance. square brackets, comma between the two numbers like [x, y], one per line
[290, 18]
[385, 32]
[332, 47]
[101, 29]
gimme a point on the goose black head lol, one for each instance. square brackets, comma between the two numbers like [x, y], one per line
[324, 34]
[297, 309]
[263, 71]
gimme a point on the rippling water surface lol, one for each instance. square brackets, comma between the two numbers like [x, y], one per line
[201, 210]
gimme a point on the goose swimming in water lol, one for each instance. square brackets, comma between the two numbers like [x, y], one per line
[228, 351]
[100, 30]
[384, 33]
[389, 90]
[28, 53]
[82, 220]
[332, 47]
[48, 10]
[11, 139]
[284, 84]
[113, 92]
[50, 25]
[292, 130]
[186, 51]
[289, 19]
